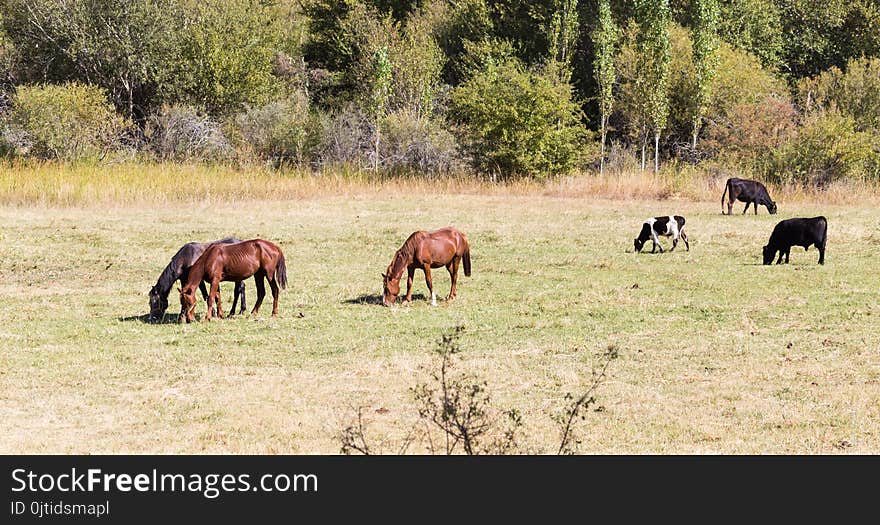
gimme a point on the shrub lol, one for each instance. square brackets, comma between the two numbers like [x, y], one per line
[855, 92]
[70, 121]
[748, 131]
[281, 131]
[519, 122]
[185, 133]
[346, 138]
[417, 144]
[826, 148]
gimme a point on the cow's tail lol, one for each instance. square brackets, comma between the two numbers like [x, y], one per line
[281, 272]
[726, 186]
[466, 257]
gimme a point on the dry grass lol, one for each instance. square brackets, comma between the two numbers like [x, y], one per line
[717, 353]
[125, 184]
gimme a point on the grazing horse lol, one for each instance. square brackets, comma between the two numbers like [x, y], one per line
[178, 270]
[235, 262]
[425, 250]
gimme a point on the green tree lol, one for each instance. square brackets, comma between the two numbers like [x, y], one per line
[654, 20]
[605, 37]
[519, 122]
[705, 45]
[380, 90]
[562, 36]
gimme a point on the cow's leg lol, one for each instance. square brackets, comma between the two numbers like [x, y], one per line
[747, 207]
[430, 284]
[684, 237]
[821, 248]
[755, 205]
[787, 254]
[410, 272]
[781, 255]
[656, 242]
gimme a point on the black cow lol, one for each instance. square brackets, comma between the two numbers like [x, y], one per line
[747, 191]
[671, 225]
[796, 232]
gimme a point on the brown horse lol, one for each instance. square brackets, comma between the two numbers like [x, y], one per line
[425, 250]
[234, 262]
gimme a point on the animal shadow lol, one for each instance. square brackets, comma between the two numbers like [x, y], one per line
[368, 298]
[145, 318]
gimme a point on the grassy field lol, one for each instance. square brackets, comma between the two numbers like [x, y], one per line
[717, 353]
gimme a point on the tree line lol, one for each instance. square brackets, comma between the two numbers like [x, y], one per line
[787, 89]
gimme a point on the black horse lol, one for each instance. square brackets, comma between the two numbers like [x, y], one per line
[178, 270]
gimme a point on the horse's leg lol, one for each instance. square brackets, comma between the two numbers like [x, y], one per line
[410, 275]
[430, 284]
[217, 299]
[453, 275]
[261, 291]
[240, 286]
[235, 292]
[209, 314]
[273, 284]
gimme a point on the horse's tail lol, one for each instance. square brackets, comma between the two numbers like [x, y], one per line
[281, 271]
[726, 186]
[466, 258]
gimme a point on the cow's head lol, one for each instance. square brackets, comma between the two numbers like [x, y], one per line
[772, 208]
[637, 244]
[768, 254]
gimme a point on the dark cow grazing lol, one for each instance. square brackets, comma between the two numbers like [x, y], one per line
[671, 225]
[747, 191]
[796, 232]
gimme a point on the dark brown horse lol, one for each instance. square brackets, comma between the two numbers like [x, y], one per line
[425, 250]
[235, 262]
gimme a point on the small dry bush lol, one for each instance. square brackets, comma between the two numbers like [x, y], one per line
[180, 133]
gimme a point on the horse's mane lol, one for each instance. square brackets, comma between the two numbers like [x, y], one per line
[405, 254]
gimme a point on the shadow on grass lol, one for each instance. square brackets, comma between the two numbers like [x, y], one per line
[145, 318]
[377, 299]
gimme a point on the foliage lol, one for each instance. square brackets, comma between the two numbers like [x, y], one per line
[519, 122]
[705, 44]
[224, 57]
[653, 44]
[115, 44]
[754, 26]
[69, 121]
[283, 131]
[827, 148]
[416, 144]
[605, 37]
[855, 92]
[562, 36]
[186, 133]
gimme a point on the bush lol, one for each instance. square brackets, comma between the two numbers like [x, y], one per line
[70, 121]
[410, 143]
[748, 131]
[855, 92]
[281, 131]
[185, 133]
[827, 147]
[519, 122]
[346, 138]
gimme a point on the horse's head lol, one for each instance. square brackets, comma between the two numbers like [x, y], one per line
[158, 304]
[390, 289]
[188, 303]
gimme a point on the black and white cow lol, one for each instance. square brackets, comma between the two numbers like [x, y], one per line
[796, 232]
[750, 192]
[669, 226]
